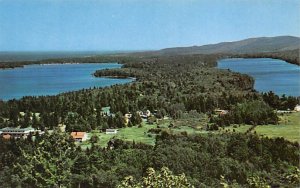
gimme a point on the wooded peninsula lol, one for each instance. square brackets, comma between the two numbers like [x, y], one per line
[170, 94]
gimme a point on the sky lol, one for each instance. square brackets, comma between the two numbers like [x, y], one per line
[108, 25]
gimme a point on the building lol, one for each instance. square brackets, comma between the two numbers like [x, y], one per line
[297, 108]
[283, 111]
[221, 112]
[6, 137]
[15, 132]
[111, 131]
[79, 136]
[105, 111]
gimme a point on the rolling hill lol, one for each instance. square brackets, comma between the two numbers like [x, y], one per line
[251, 45]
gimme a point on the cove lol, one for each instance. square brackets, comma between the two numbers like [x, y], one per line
[269, 74]
[52, 79]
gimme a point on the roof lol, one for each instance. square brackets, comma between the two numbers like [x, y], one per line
[105, 109]
[111, 130]
[77, 135]
[17, 129]
[7, 136]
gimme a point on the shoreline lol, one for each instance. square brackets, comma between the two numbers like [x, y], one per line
[115, 77]
[258, 81]
[130, 80]
[13, 65]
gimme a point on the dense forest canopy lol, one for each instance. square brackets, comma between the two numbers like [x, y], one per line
[236, 160]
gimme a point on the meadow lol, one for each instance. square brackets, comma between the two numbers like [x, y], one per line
[287, 128]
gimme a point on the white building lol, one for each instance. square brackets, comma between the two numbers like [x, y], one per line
[111, 131]
[17, 132]
[297, 108]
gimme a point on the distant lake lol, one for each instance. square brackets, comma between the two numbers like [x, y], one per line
[52, 79]
[269, 74]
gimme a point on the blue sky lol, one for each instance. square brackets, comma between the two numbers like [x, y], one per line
[96, 25]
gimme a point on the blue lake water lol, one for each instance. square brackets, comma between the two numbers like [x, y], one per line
[269, 74]
[37, 80]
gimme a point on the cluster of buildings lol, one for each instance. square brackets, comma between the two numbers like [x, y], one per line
[15, 132]
[83, 136]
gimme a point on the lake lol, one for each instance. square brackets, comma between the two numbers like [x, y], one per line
[269, 74]
[52, 79]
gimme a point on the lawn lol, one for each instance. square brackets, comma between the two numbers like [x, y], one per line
[288, 127]
[135, 133]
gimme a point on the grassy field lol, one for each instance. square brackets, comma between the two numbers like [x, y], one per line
[288, 127]
[135, 133]
[140, 134]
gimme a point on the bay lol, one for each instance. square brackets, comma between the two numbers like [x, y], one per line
[269, 74]
[52, 79]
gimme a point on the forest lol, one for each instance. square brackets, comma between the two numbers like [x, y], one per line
[170, 86]
[235, 160]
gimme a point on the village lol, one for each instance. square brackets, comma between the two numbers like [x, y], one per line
[149, 127]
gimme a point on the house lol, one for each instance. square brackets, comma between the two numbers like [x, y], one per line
[6, 137]
[15, 132]
[111, 131]
[79, 136]
[221, 112]
[297, 108]
[105, 111]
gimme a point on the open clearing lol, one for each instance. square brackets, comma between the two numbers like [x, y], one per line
[288, 127]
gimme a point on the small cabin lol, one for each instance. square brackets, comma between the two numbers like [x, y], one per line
[79, 136]
[111, 131]
[105, 111]
[221, 112]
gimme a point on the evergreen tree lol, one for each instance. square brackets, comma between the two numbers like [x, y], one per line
[49, 164]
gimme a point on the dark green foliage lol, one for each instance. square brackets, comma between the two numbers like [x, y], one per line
[136, 119]
[204, 159]
[251, 112]
[280, 103]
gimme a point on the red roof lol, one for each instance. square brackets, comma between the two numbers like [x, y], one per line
[78, 135]
[6, 136]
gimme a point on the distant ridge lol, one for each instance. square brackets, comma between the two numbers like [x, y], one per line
[251, 45]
